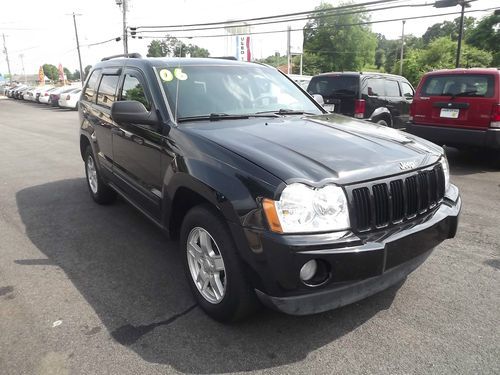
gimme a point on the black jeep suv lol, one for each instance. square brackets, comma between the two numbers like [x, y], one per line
[377, 97]
[273, 199]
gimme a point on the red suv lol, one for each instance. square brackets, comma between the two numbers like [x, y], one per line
[458, 107]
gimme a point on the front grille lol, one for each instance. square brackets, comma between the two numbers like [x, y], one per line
[382, 203]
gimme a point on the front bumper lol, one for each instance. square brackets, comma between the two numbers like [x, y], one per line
[442, 135]
[360, 264]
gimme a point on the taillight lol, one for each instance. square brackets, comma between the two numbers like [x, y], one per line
[46, 94]
[495, 116]
[359, 108]
[412, 111]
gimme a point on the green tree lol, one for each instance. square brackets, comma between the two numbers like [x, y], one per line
[448, 29]
[76, 75]
[68, 73]
[440, 54]
[51, 72]
[486, 36]
[87, 70]
[171, 46]
[380, 58]
[158, 48]
[331, 45]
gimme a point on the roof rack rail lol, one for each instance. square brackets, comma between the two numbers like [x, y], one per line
[134, 55]
[224, 58]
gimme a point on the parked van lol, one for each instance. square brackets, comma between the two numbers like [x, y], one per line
[458, 107]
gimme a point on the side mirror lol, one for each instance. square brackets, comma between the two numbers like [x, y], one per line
[319, 99]
[133, 112]
[408, 96]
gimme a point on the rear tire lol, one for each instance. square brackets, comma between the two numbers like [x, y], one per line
[99, 191]
[217, 281]
[382, 122]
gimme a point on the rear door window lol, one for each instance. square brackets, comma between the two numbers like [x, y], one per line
[391, 88]
[374, 87]
[106, 94]
[468, 85]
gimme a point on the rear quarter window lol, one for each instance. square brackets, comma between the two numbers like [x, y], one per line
[471, 85]
[89, 93]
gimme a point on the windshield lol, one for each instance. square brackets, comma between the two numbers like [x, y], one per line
[202, 90]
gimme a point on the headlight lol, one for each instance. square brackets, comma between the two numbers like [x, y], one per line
[305, 209]
[446, 170]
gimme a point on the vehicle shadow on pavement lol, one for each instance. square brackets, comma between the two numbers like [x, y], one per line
[472, 161]
[132, 277]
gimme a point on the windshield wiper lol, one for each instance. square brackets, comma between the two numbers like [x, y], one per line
[222, 116]
[284, 111]
[463, 93]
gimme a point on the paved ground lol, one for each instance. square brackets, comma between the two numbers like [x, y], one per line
[93, 290]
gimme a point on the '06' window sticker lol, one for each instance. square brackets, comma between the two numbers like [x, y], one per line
[167, 76]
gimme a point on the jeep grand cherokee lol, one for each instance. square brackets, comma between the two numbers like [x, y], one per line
[272, 199]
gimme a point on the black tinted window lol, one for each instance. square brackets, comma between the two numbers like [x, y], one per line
[460, 84]
[329, 86]
[391, 88]
[90, 89]
[374, 87]
[134, 90]
[107, 90]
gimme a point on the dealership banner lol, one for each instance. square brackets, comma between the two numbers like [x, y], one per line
[41, 76]
[243, 48]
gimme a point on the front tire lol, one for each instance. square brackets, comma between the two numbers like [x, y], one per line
[213, 268]
[99, 191]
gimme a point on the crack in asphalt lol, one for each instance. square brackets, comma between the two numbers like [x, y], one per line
[129, 334]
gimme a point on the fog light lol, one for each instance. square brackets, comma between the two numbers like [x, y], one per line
[308, 270]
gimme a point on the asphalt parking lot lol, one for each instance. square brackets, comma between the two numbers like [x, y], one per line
[86, 289]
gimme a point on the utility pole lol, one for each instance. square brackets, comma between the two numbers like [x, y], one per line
[288, 54]
[402, 49]
[7, 58]
[123, 5]
[21, 56]
[82, 78]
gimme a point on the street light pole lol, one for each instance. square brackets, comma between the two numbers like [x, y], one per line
[460, 34]
[82, 75]
[451, 3]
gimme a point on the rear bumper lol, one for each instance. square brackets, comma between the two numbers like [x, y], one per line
[441, 135]
[360, 265]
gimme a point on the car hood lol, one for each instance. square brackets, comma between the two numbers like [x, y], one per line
[318, 148]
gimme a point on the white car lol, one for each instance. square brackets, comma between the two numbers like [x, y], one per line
[28, 94]
[303, 81]
[45, 95]
[38, 91]
[70, 99]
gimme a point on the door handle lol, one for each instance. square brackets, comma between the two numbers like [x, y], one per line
[138, 140]
[116, 131]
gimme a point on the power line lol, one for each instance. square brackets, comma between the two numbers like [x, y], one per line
[319, 27]
[337, 14]
[349, 6]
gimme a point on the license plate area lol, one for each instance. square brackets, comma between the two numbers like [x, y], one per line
[449, 112]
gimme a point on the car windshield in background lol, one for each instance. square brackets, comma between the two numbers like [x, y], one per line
[232, 90]
[334, 86]
[459, 85]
